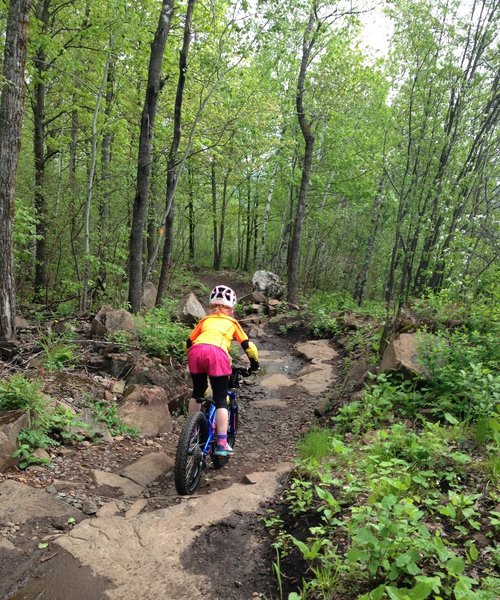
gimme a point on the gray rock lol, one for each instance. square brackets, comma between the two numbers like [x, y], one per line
[108, 321]
[402, 354]
[146, 407]
[268, 283]
[11, 423]
[148, 468]
[190, 309]
[19, 502]
[125, 487]
[89, 507]
[149, 294]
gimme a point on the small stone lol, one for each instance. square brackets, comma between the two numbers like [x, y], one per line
[51, 490]
[481, 540]
[89, 507]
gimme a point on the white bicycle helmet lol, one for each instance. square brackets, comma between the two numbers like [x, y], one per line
[223, 295]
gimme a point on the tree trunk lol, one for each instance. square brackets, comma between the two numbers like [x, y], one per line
[306, 128]
[106, 150]
[213, 187]
[359, 293]
[172, 166]
[11, 120]
[220, 245]
[190, 210]
[144, 159]
[90, 187]
[248, 235]
[40, 92]
[265, 220]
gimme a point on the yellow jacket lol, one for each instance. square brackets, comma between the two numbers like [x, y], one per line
[218, 330]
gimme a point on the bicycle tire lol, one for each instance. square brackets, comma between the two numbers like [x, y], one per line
[189, 455]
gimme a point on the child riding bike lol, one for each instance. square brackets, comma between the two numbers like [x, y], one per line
[208, 357]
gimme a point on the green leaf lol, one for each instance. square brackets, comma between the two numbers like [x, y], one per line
[43, 545]
[456, 565]
[451, 419]
[473, 552]
[355, 555]
[367, 536]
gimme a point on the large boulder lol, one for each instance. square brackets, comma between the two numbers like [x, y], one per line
[149, 294]
[189, 310]
[20, 503]
[109, 321]
[402, 354]
[11, 423]
[268, 284]
[146, 408]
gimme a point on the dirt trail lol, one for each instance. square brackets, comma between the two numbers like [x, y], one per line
[212, 545]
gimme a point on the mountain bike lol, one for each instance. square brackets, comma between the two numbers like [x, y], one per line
[198, 438]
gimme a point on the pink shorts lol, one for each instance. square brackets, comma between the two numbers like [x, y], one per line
[212, 360]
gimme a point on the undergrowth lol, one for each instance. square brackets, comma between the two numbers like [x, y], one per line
[51, 424]
[397, 498]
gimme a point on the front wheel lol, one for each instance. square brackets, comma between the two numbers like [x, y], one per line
[189, 456]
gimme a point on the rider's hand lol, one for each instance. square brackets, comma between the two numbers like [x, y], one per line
[254, 365]
[252, 352]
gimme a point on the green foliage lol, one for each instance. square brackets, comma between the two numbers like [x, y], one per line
[123, 339]
[107, 413]
[160, 336]
[315, 445]
[18, 392]
[58, 350]
[323, 325]
[408, 461]
[331, 302]
[50, 424]
[182, 282]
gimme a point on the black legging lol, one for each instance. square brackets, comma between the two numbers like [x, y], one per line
[219, 388]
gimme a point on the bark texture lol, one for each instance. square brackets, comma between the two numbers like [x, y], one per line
[144, 160]
[11, 118]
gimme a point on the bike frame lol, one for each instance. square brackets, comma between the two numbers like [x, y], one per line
[209, 413]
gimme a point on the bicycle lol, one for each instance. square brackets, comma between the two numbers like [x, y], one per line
[198, 437]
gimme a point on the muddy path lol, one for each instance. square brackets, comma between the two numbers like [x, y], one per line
[211, 545]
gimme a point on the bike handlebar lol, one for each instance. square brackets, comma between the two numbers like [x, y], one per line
[237, 373]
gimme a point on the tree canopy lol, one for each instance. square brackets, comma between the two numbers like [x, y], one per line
[294, 150]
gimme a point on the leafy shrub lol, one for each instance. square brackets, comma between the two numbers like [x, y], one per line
[49, 424]
[323, 325]
[123, 339]
[160, 336]
[18, 392]
[58, 350]
[182, 281]
[107, 412]
[331, 302]
[315, 445]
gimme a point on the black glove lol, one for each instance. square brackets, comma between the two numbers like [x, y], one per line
[254, 365]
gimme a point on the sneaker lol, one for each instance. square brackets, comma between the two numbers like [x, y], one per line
[224, 450]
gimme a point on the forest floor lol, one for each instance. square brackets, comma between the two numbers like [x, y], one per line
[213, 545]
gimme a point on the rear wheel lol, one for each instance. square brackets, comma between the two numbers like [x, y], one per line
[189, 456]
